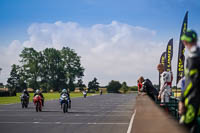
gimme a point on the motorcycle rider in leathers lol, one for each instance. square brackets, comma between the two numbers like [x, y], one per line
[37, 92]
[165, 84]
[65, 91]
[189, 105]
[25, 92]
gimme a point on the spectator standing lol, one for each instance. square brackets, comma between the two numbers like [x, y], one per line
[139, 86]
[165, 84]
[189, 105]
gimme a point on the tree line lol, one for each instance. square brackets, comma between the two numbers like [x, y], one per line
[47, 69]
[53, 69]
[117, 87]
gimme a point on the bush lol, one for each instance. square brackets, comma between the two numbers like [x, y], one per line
[133, 88]
[124, 87]
[92, 91]
[7, 93]
[114, 87]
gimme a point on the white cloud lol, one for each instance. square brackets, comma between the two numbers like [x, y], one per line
[9, 55]
[114, 51]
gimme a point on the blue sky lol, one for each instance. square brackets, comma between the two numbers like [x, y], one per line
[164, 16]
[101, 26]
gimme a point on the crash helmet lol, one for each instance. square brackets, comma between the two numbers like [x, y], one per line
[37, 91]
[189, 36]
[64, 91]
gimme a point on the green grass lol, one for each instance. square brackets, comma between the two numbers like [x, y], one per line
[48, 96]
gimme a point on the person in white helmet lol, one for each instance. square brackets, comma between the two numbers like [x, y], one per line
[65, 91]
[165, 84]
[37, 92]
[26, 94]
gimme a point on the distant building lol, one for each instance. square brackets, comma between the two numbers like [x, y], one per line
[3, 89]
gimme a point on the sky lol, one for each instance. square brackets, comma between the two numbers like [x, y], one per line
[116, 39]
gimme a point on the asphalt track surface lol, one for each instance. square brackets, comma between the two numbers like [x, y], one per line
[110, 113]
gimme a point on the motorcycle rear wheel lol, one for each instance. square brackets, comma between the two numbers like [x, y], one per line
[37, 107]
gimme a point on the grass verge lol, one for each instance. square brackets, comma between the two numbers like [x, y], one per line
[48, 96]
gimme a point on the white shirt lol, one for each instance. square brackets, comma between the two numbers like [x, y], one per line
[165, 80]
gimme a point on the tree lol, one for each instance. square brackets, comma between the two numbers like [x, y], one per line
[1, 85]
[52, 70]
[114, 86]
[0, 70]
[80, 84]
[93, 85]
[72, 66]
[124, 87]
[14, 79]
[133, 88]
[22, 79]
[30, 59]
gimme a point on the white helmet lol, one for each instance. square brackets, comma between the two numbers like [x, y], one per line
[64, 91]
[37, 91]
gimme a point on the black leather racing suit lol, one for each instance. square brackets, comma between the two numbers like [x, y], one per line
[26, 93]
[148, 87]
[191, 95]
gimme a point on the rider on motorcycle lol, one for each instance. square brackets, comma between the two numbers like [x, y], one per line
[25, 92]
[37, 92]
[101, 92]
[65, 91]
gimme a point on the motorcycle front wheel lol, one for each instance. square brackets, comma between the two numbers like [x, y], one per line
[65, 108]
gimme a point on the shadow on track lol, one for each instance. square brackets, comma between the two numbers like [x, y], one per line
[77, 112]
[51, 111]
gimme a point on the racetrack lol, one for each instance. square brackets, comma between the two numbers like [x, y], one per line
[110, 113]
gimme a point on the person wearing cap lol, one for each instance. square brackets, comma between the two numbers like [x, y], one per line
[165, 84]
[190, 99]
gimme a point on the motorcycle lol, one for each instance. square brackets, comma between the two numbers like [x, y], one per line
[101, 92]
[37, 100]
[84, 94]
[64, 101]
[24, 100]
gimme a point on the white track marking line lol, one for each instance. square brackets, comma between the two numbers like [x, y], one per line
[36, 122]
[101, 106]
[67, 123]
[131, 122]
[9, 104]
[107, 123]
[87, 111]
[77, 115]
